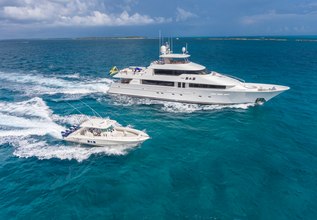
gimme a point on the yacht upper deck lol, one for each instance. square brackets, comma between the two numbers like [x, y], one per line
[175, 61]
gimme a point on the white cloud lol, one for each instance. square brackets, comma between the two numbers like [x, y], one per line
[183, 15]
[97, 18]
[273, 22]
[72, 13]
[273, 16]
[24, 13]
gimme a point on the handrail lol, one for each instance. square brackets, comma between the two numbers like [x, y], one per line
[234, 77]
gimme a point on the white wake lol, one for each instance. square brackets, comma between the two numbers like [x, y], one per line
[34, 131]
[37, 84]
[174, 107]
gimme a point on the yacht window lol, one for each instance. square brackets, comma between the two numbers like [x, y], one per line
[179, 72]
[178, 61]
[126, 81]
[206, 86]
[157, 83]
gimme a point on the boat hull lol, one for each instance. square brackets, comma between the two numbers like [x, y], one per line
[103, 143]
[109, 139]
[200, 96]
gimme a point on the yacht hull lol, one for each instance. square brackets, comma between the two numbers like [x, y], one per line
[200, 96]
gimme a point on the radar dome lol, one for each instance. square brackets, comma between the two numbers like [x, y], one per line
[184, 50]
[163, 49]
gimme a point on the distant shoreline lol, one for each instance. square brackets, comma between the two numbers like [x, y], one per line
[308, 38]
[112, 38]
[291, 38]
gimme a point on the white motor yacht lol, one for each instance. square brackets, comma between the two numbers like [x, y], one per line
[175, 78]
[103, 132]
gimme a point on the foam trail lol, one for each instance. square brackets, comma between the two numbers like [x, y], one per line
[175, 107]
[29, 147]
[25, 125]
[33, 107]
[31, 117]
[34, 83]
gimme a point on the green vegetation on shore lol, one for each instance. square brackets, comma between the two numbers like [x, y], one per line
[111, 38]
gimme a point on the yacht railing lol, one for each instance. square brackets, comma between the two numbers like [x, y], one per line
[158, 62]
[234, 77]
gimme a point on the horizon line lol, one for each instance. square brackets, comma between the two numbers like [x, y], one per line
[131, 37]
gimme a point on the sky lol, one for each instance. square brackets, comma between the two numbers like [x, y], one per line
[84, 18]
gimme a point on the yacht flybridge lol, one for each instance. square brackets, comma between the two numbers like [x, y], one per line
[103, 132]
[175, 78]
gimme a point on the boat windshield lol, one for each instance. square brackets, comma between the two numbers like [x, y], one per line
[109, 129]
[95, 131]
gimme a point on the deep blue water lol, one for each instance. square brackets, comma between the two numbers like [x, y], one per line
[202, 162]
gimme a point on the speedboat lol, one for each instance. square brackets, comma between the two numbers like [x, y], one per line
[103, 132]
[175, 78]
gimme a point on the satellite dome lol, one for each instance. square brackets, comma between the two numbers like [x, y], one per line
[163, 49]
[184, 49]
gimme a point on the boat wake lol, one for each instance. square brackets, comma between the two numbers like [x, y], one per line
[34, 131]
[33, 83]
[174, 107]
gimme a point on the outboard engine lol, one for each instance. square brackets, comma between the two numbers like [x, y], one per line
[64, 134]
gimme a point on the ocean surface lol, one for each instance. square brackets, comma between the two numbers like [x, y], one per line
[202, 162]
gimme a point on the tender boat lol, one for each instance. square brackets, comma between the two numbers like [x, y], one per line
[174, 78]
[103, 132]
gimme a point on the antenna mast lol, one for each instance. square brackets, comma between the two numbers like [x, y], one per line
[172, 44]
[160, 43]
[93, 110]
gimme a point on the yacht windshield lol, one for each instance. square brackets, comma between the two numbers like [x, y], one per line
[174, 60]
[203, 72]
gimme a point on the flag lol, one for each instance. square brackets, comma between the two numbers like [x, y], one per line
[113, 70]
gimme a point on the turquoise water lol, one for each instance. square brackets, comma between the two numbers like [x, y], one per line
[202, 162]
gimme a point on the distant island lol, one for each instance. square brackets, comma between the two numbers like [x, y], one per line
[112, 38]
[262, 39]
